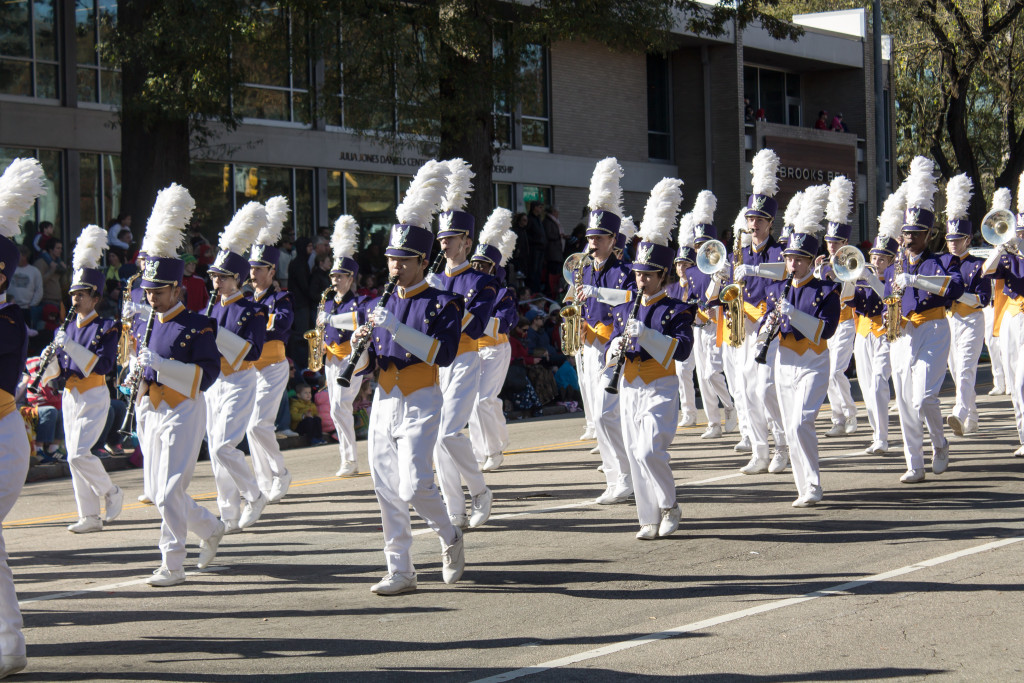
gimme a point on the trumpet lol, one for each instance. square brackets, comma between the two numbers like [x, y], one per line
[571, 329]
[315, 337]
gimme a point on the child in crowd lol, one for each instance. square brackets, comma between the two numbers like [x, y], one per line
[305, 417]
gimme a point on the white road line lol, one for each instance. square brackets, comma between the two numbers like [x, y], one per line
[108, 587]
[742, 614]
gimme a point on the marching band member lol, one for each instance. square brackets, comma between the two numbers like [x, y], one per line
[88, 352]
[809, 315]
[707, 346]
[179, 362]
[762, 263]
[871, 345]
[487, 429]
[342, 314]
[605, 284]
[1006, 264]
[840, 345]
[652, 333]
[680, 290]
[731, 358]
[21, 183]
[271, 367]
[414, 334]
[460, 380]
[230, 400]
[1001, 199]
[966, 320]
[134, 313]
[923, 287]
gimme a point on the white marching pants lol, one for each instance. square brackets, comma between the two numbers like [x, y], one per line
[85, 416]
[1011, 336]
[588, 410]
[648, 414]
[684, 387]
[341, 399]
[918, 368]
[453, 454]
[229, 405]
[710, 373]
[170, 438]
[148, 477]
[801, 382]
[732, 366]
[403, 430]
[763, 414]
[14, 456]
[873, 373]
[488, 432]
[267, 460]
[995, 350]
[606, 415]
[966, 336]
[840, 350]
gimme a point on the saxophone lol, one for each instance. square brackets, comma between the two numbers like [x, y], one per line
[894, 302]
[571, 330]
[124, 344]
[315, 337]
[732, 297]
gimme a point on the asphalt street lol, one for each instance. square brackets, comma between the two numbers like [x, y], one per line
[881, 580]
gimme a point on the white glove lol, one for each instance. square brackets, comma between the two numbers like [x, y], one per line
[744, 271]
[149, 358]
[634, 328]
[386, 319]
[60, 338]
[586, 291]
[324, 318]
[133, 365]
[904, 280]
[785, 307]
[434, 280]
[614, 351]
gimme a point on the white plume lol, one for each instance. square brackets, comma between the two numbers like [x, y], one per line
[959, 191]
[1001, 199]
[459, 186]
[793, 209]
[890, 222]
[764, 169]
[628, 228]
[345, 237]
[840, 200]
[605, 193]
[498, 223]
[89, 248]
[277, 214]
[704, 208]
[165, 229]
[1020, 194]
[20, 185]
[686, 230]
[740, 225]
[245, 225]
[424, 195]
[507, 246]
[921, 185]
[660, 212]
[812, 210]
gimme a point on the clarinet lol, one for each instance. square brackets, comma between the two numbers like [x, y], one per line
[772, 328]
[613, 383]
[51, 350]
[213, 301]
[345, 379]
[135, 381]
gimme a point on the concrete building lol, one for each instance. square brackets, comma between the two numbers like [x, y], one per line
[699, 113]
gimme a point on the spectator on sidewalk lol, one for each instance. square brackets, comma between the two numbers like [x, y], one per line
[194, 288]
[26, 289]
[305, 416]
[553, 250]
[115, 232]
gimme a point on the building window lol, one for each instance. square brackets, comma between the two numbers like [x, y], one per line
[96, 80]
[28, 49]
[536, 193]
[773, 95]
[659, 110]
[275, 67]
[503, 196]
[99, 196]
[47, 207]
[535, 119]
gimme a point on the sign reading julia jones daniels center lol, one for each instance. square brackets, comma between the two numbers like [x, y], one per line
[810, 162]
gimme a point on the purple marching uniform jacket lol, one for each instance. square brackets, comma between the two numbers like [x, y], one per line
[479, 293]
[868, 308]
[431, 311]
[918, 305]
[973, 280]
[815, 297]
[186, 337]
[614, 274]
[1010, 269]
[248, 320]
[280, 316]
[506, 313]
[755, 289]
[100, 337]
[13, 352]
[671, 317]
[339, 342]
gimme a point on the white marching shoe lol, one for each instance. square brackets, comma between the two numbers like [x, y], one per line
[780, 460]
[670, 520]
[493, 462]
[955, 425]
[393, 584]
[346, 469]
[851, 426]
[588, 433]
[940, 458]
[912, 476]
[596, 450]
[166, 577]
[809, 499]
[731, 422]
[743, 446]
[877, 448]
[757, 465]
[145, 500]
[837, 429]
[481, 510]
[12, 664]
[251, 511]
[208, 546]
[997, 391]
[687, 421]
[647, 532]
[113, 501]
[714, 431]
[970, 426]
[280, 487]
[86, 525]
[1019, 453]
[459, 521]
[453, 558]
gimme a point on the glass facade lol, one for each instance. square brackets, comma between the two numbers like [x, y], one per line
[275, 65]
[534, 104]
[99, 197]
[659, 109]
[28, 48]
[96, 81]
[773, 95]
[47, 207]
